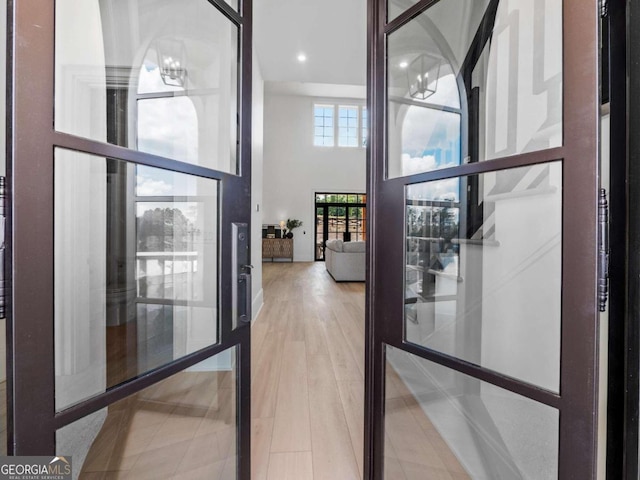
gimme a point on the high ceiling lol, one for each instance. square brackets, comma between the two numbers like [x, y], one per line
[331, 33]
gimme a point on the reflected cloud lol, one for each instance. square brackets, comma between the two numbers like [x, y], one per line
[157, 182]
[442, 190]
[151, 187]
[168, 127]
[430, 140]
[411, 165]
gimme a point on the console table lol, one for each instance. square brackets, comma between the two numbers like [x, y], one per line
[277, 248]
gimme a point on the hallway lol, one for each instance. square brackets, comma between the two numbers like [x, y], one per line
[308, 387]
[308, 376]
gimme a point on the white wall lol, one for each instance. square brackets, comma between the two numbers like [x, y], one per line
[294, 169]
[257, 147]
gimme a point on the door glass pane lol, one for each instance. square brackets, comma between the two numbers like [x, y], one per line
[452, 101]
[159, 77]
[396, 7]
[135, 248]
[357, 221]
[483, 270]
[443, 424]
[337, 222]
[319, 233]
[182, 427]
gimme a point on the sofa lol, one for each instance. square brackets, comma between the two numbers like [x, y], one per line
[345, 261]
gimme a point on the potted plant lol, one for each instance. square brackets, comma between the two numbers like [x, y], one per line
[291, 224]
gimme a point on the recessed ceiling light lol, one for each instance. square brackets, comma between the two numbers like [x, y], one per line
[302, 57]
[404, 64]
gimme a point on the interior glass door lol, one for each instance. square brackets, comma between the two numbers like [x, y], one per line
[130, 175]
[482, 332]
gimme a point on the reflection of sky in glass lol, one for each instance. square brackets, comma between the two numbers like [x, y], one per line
[168, 127]
[430, 140]
[438, 190]
[158, 183]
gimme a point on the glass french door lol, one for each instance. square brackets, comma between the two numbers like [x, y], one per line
[481, 296]
[129, 249]
[339, 215]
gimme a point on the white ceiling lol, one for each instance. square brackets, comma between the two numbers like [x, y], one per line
[332, 34]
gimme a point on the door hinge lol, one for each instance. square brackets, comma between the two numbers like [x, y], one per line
[604, 8]
[603, 250]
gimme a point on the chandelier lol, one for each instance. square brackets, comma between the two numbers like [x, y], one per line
[171, 61]
[422, 74]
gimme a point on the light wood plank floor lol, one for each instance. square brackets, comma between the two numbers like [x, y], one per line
[308, 371]
[308, 387]
[307, 402]
[180, 428]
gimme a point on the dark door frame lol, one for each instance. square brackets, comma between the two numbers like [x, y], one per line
[32, 417]
[384, 292]
[633, 242]
[623, 53]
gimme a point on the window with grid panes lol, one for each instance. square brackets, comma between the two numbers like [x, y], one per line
[348, 126]
[323, 126]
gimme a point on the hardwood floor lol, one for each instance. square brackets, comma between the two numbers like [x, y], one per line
[180, 428]
[308, 371]
[308, 388]
[307, 402]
